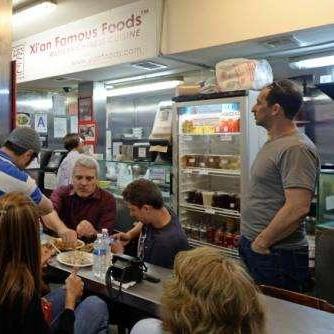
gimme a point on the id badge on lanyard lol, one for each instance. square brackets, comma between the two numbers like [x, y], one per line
[141, 244]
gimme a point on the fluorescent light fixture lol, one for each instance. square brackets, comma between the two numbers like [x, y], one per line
[151, 87]
[138, 77]
[313, 62]
[33, 12]
[40, 104]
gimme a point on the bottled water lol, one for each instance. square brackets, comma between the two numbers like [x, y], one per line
[98, 257]
[106, 246]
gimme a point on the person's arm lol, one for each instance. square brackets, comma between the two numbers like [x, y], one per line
[32, 190]
[45, 206]
[286, 221]
[129, 235]
[298, 167]
[54, 223]
[74, 290]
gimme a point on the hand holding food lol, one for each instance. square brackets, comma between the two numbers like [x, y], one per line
[68, 236]
[122, 237]
[85, 229]
[74, 289]
[117, 247]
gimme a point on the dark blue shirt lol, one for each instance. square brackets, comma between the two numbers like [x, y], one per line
[162, 245]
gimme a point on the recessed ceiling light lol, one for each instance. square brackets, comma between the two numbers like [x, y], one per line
[151, 87]
[320, 61]
[32, 12]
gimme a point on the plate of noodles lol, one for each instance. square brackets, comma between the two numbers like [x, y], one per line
[76, 258]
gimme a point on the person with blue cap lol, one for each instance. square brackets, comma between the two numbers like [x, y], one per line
[20, 148]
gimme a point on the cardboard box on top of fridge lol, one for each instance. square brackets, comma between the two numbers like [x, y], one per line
[242, 74]
[187, 89]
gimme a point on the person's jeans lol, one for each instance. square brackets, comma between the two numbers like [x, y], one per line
[91, 315]
[283, 268]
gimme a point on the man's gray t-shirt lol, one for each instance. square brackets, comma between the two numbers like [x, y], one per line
[290, 161]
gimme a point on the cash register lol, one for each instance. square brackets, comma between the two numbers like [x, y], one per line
[56, 158]
[51, 169]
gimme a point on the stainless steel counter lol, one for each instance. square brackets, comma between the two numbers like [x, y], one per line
[144, 295]
[283, 317]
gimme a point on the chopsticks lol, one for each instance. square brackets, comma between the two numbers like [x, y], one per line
[55, 247]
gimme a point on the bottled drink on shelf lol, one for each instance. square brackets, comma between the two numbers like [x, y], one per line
[210, 233]
[231, 225]
[195, 231]
[236, 240]
[187, 228]
[203, 233]
[219, 236]
[228, 240]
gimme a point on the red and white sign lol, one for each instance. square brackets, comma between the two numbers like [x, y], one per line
[123, 34]
[87, 129]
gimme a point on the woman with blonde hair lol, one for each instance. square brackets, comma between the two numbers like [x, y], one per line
[208, 293]
[20, 284]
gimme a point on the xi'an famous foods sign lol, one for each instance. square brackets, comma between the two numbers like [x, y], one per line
[123, 34]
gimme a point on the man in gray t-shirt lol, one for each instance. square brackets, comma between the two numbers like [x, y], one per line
[283, 178]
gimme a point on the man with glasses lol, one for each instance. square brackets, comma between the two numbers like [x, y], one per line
[273, 241]
[21, 147]
[160, 234]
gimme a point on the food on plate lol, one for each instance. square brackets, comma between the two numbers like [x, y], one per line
[88, 248]
[76, 258]
[66, 247]
[48, 245]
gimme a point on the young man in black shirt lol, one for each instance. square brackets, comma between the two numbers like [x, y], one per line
[160, 234]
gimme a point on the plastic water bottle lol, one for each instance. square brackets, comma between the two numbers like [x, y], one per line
[106, 247]
[98, 256]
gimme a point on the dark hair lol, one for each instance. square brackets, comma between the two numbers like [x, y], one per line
[71, 141]
[18, 150]
[141, 192]
[287, 94]
[20, 252]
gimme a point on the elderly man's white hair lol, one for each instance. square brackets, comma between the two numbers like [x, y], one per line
[88, 162]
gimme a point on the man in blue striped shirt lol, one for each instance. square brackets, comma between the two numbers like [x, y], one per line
[20, 148]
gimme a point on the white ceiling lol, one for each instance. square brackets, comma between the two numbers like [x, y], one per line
[278, 49]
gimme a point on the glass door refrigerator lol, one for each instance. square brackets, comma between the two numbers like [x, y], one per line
[216, 142]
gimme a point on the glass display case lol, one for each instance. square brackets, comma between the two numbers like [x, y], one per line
[325, 205]
[217, 142]
[121, 173]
